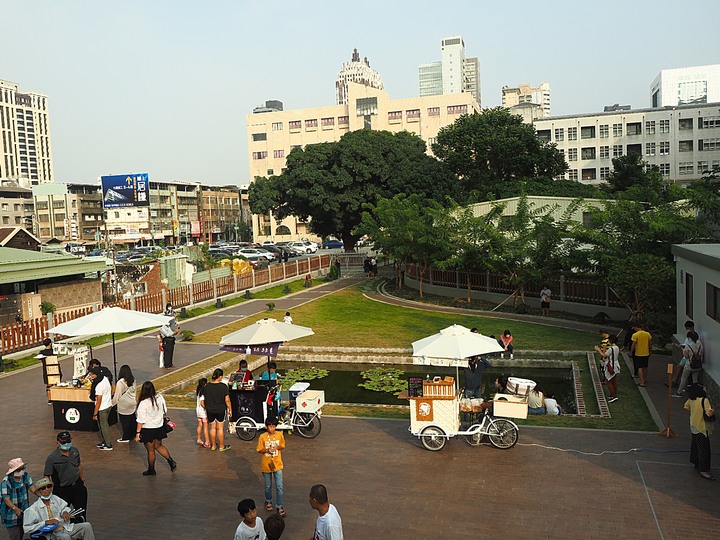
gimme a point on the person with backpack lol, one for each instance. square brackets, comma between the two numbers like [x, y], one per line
[694, 353]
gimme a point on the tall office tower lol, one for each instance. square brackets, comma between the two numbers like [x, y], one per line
[453, 74]
[686, 86]
[525, 93]
[358, 71]
[25, 152]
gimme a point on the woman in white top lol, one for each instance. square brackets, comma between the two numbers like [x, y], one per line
[611, 367]
[124, 398]
[151, 426]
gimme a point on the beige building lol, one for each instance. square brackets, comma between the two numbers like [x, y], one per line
[68, 212]
[16, 207]
[221, 213]
[272, 135]
[25, 149]
[524, 93]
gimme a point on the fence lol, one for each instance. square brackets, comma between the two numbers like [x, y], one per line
[28, 334]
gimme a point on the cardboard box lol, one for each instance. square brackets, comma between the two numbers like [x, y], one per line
[510, 406]
[310, 401]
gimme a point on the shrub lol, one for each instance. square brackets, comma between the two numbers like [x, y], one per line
[47, 307]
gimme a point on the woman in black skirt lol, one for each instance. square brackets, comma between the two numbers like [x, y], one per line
[151, 426]
[700, 444]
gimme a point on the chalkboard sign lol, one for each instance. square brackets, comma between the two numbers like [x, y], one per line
[415, 386]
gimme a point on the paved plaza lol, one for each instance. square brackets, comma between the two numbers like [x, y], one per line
[384, 484]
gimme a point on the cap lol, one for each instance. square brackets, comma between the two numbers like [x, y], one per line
[42, 483]
[64, 437]
[15, 464]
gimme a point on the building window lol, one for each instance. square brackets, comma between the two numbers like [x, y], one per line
[685, 146]
[395, 115]
[604, 152]
[433, 111]
[312, 123]
[277, 126]
[650, 149]
[589, 174]
[603, 131]
[327, 122]
[572, 154]
[617, 150]
[665, 148]
[259, 155]
[543, 135]
[587, 132]
[457, 109]
[617, 130]
[259, 136]
[572, 134]
[703, 166]
[559, 134]
[270, 172]
[685, 123]
[343, 120]
[650, 127]
[412, 113]
[709, 122]
[664, 126]
[295, 124]
[366, 106]
[685, 168]
[634, 128]
[665, 169]
[708, 144]
[573, 174]
[587, 153]
[689, 295]
[604, 172]
[712, 301]
[279, 153]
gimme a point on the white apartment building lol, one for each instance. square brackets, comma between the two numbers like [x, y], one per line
[357, 71]
[25, 149]
[272, 135]
[686, 86]
[524, 93]
[683, 141]
[453, 74]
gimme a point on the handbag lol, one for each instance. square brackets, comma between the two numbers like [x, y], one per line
[169, 425]
[707, 417]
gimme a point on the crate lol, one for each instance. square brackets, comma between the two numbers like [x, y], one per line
[310, 401]
[510, 406]
[440, 389]
[426, 411]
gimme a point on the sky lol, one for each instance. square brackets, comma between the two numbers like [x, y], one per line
[164, 86]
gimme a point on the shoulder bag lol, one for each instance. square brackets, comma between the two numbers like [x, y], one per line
[168, 424]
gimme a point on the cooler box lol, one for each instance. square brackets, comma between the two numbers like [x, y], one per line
[297, 389]
[510, 406]
[521, 387]
[310, 401]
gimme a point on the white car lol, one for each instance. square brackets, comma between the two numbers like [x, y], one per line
[302, 247]
[259, 252]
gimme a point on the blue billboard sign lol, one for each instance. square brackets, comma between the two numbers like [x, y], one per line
[125, 190]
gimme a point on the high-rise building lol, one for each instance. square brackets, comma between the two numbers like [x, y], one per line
[453, 74]
[25, 149]
[357, 71]
[686, 86]
[524, 93]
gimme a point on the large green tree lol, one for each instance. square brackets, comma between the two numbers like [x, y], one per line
[485, 150]
[329, 182]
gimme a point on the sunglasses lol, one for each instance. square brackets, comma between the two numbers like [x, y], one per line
[48, 486]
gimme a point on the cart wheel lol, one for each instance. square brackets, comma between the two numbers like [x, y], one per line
[309, 425]
[475, 439]
[245, 429]
[432, 438]
[503, 434]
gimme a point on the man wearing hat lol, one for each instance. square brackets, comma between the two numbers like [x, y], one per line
[52, 513]
[15, 498]
[63, 468]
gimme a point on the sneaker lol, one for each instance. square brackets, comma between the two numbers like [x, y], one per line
[502, 356]
[123, 440]
[106, 448]
[224, 448]
[100, 445]
[512, 356]
[612, 400]
[676, 394]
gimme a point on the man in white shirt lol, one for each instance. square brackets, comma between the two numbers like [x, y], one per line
[329, 524]
[103, 403]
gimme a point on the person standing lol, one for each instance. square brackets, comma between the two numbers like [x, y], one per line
[50, 509]
[150, 431]
[217, 405]
[103, 402]
[611, 366]
[166, 339]
[270, 445]
[693, 354]
[124, 398]
[287, 319]
[64, 469]
[699, 407]
[640, 349]
[201, 413]
[251, 526]
[15, 489]
[329, 524]
[545, 295]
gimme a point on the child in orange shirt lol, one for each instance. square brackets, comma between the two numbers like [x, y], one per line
[269, 446]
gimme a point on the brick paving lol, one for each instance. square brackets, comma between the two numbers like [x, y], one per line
[383, 482]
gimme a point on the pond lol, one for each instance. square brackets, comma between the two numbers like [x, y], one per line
[341, 383]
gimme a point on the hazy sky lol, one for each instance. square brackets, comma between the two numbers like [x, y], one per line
[164, 86]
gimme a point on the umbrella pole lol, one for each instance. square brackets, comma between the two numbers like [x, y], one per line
[114, 358]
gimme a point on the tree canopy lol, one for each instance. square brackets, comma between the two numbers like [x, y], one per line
[330, 182]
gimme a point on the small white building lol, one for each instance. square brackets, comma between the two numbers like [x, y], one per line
[697, 268]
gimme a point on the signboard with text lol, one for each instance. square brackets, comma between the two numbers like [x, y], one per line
[127, 190]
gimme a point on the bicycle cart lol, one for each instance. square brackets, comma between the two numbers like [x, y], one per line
[252, 403]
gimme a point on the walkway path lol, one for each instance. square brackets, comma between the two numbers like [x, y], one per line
[381, 480]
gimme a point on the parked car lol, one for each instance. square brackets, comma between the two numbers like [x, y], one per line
[219, 254]
[312, 245]
[256, 251]
[332, 244]
[137, 257]
[301, 247]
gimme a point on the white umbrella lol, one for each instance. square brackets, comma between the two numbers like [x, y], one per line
[266, 331]
[451, 346]
[109, 320]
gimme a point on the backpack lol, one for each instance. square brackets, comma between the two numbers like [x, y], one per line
[696, 360]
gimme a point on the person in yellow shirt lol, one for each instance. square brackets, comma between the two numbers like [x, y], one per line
[640, 349]
[270, 445]
[700, 429]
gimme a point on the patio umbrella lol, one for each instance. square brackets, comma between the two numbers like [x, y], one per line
[109, 320]
[263, 337]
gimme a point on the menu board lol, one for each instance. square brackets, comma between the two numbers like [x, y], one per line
[415, 387]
